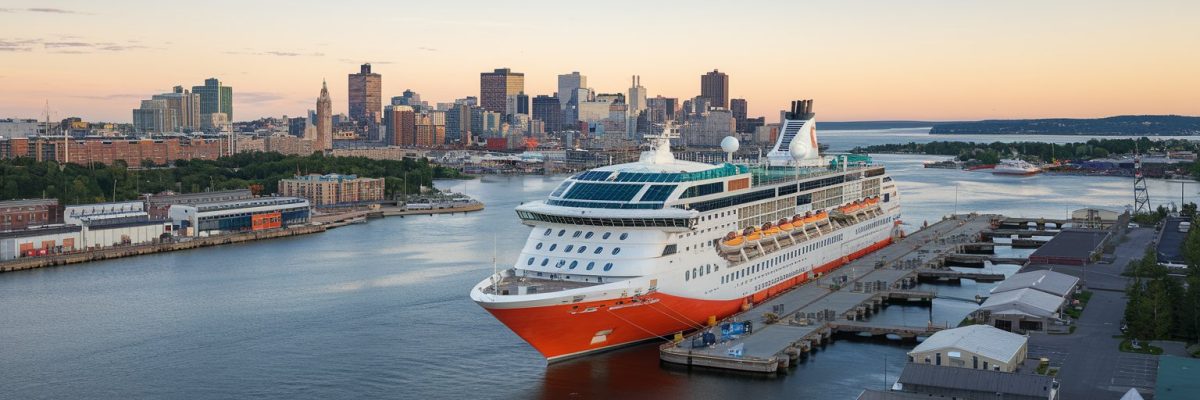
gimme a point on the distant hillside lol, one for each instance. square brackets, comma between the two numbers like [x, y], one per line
[1139, 125]
[865, 125]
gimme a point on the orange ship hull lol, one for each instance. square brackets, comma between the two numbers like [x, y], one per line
[563, 331]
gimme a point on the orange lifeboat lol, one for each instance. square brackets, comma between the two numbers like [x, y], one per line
[733, 242]
[785, 225]
[769, 229]
[752, 235]
[820, 215]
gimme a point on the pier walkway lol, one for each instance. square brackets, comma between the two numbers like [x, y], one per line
[806, 313]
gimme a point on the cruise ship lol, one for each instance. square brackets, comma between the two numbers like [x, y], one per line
[1015, 167]
[633, 252]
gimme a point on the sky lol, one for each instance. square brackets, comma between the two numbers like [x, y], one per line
[858, 60]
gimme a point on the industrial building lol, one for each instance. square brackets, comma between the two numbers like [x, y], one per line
[1055, 283]
[236, 216]
[82, 214]
[38, 241]
[972, 346]
[965, 383]
[333, 189]
[1021, 310]
[21, 214]
[1071, 247]
[157, 205]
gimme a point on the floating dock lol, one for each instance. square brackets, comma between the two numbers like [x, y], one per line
[808, 315]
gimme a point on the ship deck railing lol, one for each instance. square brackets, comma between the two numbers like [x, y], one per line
[509, 285]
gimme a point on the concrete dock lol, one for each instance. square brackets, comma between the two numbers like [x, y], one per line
[808, 315]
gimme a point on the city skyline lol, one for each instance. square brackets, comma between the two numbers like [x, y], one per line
[860, 62]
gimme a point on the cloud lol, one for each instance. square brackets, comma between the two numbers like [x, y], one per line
[354, 61]
[276, 53]
[17, 44]
[256, 97]
[44, 10]
[118, 96]
[427, 48]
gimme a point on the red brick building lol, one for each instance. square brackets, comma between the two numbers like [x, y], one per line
[21, 214]
[108, 150]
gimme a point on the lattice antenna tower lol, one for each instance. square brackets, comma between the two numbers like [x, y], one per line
[1141, 197]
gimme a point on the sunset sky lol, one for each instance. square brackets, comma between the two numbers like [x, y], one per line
[859, 60]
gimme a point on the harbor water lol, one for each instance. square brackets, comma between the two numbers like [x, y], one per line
[381, 310]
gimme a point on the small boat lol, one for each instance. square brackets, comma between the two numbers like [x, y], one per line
[1015, 167]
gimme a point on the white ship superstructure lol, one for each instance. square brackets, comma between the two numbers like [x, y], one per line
[630, 252]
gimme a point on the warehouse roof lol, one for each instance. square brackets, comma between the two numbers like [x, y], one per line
[977, 380]
[1055, 283]
[1025, 302]
[1071, 243]
[983, 340]
[1170, 243]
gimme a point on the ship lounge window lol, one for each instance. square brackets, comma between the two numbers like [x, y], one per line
[598, 250]
[608, 266]
[658, 193]
[582, 249]
[574, 264]
[591, 264]
[568, 248]
[703, 190]
[603, 191]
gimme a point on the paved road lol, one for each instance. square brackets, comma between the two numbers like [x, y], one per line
[1091, 365]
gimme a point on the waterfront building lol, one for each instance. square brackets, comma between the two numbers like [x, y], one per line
[208, 219]
[216, 104]
[22, 214]
[1050, 282]
[324, 132]
[365, 94]
[151, 117]
[739, 107]
[81, 214]
[106, 151]
[973, 346]
[157, 205]
[923, 381]
[1022, 310]
[715, 87]
[40, 241]
[548, 110]
[496, 86]
[333, 189]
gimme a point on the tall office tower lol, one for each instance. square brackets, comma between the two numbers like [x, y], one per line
[547, 109]
[568, 95]
[324, 139]
[715, 87]
[365, 95]
[636, 100]
[662, 109]
[458, 124]
[403, 125]
[183, 109]
[738, 108]
[477, 122]
[214, 99]
[495, 87]
[151, 117]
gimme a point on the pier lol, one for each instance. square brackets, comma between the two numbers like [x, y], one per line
[792, 323]
[952, 275]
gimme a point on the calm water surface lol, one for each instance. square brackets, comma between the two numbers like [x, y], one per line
[381, 310]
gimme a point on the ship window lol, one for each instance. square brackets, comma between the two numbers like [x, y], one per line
[574, 264]
[562, 232]
[539, 246]
[560, 263]
[577, 233]
[624, 236]
[603, 191]
[591, 264]
[616, 250]
[568, 248]
[606, 235]
[598, 250]
[582, 249]
[588, 235]
[548, 232]
[530, 262]
[887, 197]
[553, 246]
[695, 273]
[687, 275]
[708, 269]
[670, 249]
[607, 266]
[545, 261]
[658, 193]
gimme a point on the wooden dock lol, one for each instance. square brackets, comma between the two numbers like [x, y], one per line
[807, 314]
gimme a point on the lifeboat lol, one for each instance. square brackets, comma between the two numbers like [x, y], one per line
[769, 229]
[818, 217]
[752, 236]
[785, 225]
[732, 243]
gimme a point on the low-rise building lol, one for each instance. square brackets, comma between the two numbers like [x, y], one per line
[966, 383]
[207, 219]
[972, 346]
[41, 241]
[159, 204]
[21, 214]
[1021, 310]
[333, 189]
[1055, 283]
[81, 214]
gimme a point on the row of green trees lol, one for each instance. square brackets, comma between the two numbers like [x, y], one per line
[75, 183]
[993, 152]
[1162, 306]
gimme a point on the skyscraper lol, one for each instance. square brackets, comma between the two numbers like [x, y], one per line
[183, 109]
[715, 87]
[214, 99]
[568, 95]
[151, 117]
[365, 95]
[637, 103]
[458, 124]
[496, 86]
[548, 110]
[738, 108]
[662, 109]
[324, 139]
[402, 131]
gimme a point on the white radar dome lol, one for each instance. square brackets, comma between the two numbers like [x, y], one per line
[730, 144]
